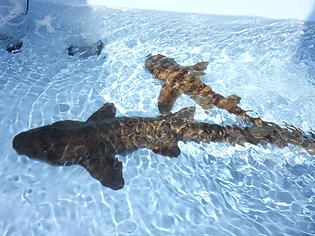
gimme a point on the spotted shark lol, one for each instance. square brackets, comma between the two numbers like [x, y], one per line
[95, 142]
[178, 80]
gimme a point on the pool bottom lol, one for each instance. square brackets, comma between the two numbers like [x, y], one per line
[213, 189]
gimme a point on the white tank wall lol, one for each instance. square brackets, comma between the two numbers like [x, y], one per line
[277, 9]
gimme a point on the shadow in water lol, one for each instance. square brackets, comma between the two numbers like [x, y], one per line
[45, 18]
[11, 22]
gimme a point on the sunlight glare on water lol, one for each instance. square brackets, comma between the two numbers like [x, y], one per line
[210, 189]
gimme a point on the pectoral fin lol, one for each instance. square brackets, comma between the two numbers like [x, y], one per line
[200, 66]
[108, 110]
[167, 98]
[108, 171]
[166, 149]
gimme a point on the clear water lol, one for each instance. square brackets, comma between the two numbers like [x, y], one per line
[211, 189]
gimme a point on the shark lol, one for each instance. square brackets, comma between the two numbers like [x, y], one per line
[178, 80]
[94, 143]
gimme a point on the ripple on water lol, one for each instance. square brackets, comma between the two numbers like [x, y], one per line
[215, 189]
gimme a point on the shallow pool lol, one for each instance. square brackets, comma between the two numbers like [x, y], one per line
[210, 189]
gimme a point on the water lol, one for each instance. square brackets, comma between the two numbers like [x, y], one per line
[210, 189]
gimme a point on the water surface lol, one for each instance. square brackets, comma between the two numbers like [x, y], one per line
[210, 189]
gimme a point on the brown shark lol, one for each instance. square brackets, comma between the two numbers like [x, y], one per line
[179, 79]
[95, 142]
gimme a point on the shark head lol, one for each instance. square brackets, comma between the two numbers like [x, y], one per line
[48, 144]
[33, 143]
[74, 142]
[156, 62]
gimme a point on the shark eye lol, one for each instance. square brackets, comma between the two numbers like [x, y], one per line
[42, 147]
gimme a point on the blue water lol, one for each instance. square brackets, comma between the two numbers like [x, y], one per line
[210, 189]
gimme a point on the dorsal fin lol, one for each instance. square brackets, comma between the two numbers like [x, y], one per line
[186, 114]
[234, 99]
[66, 123]
[108, 110]
[200, 66]
[197, 74]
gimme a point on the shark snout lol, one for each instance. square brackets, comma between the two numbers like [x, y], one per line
[28, 144]
[18, 142]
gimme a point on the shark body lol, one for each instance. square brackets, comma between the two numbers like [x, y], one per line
[178, 80]
[95, 142]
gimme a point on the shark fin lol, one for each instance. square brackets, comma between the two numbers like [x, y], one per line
[108, 171]
[196, 74]
[200, 66]
[186, 114]
[108, 110]
[167, 98]
[166, 149]
[204, 102]
[66, 123]
[234, 99]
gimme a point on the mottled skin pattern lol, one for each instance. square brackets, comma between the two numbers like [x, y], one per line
[95, 142]
[179, 79]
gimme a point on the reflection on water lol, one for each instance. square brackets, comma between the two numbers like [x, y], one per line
[217, 189]
[306, 49]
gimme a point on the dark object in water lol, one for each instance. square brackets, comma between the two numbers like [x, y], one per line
[95, 142]
[14, 47]
[86, 51]
[179, 79]
[27, 7]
